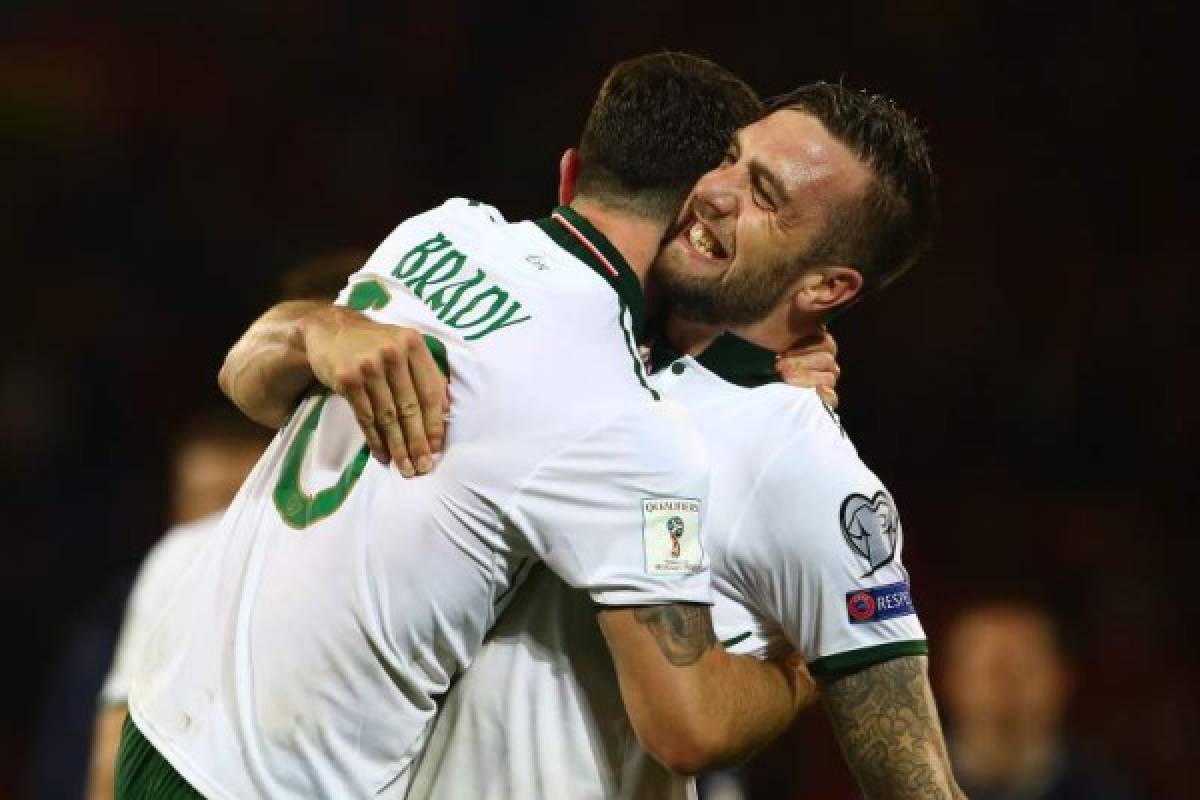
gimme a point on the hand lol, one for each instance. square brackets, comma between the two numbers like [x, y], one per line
[387, 374]
[812, 363]
[804, 688]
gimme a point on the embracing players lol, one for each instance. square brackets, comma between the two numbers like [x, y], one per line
[825, 198]
[304, 653]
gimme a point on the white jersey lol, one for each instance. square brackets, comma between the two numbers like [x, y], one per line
[805, 545]
[304, 655]
[156, 581]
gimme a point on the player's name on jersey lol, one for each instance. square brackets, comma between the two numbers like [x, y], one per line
[434, 272]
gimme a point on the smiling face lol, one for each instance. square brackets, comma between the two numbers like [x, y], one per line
[743, 236]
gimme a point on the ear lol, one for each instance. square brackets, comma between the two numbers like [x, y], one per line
[825, 289]
[568, 171]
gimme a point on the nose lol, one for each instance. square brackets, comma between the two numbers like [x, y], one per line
[714, 199]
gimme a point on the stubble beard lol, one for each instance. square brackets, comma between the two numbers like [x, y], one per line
[745, 297]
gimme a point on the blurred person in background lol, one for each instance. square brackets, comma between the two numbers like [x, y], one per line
[213, 458]
[1007, 685]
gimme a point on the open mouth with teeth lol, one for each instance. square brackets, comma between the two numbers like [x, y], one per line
[703, 241]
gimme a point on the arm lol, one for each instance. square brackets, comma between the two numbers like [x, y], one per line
[692, 705]
[267, 371]
[385, 372]
[887, 724]
[106, 737]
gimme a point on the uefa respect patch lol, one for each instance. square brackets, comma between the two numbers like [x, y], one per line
[879, 603]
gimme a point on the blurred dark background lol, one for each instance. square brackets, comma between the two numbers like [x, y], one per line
[1028, 393]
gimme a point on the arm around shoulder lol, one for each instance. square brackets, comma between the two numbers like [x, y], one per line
[267, 370]
[692, 705]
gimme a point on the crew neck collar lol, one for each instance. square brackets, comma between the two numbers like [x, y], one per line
[571, 231]
[730, 357]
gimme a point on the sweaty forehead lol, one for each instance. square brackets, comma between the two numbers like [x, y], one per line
[803, 155]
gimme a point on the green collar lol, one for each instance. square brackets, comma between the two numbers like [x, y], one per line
[731, 358]
[570, 231]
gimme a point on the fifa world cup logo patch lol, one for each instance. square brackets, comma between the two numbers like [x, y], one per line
[671, 536]
[675, 530]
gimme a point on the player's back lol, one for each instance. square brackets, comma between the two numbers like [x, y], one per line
[304, 653]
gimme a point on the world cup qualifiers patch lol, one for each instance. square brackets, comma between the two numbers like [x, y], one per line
[871, 528]
[671, 536]
[879, 603]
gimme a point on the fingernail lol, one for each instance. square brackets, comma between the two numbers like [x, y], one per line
[424, 464]
[406, 468]
[435, 444]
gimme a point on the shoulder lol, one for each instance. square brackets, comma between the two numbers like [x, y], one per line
[807, 448]
[453, 220]
[813, 485]
[645, 435]
[465, 211]
[174, 552]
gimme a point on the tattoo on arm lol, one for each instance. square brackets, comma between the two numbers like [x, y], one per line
[887, 724]
[684, 633]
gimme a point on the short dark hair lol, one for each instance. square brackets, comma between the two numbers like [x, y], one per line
[886, 229]
[659, 123]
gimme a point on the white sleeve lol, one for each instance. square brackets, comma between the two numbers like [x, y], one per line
[156, 580]
[618, 512]
[827, 564]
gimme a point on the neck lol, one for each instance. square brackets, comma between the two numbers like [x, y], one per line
[637, 238]
[690, 338]
[991, 758]
[780, 329]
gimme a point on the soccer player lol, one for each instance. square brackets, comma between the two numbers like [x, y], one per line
[805, 541]
[303, 655]
[214, 457]
[211, 460]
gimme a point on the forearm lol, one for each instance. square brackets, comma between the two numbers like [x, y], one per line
[692, 705]
[886, 722]
[752, 703]
[267, 371]
[106, 737]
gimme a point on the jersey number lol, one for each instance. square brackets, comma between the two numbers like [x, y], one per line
[299, 509]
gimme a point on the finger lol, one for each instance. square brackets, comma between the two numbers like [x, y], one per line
[828, 342]
[432, 393]
[409, 409]
[387, 421]
[829, 396]
[351, 385]
[802, 370]
[815, 362]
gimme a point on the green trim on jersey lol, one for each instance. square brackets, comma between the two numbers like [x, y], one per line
[741, 637]
[730, 357]
[625, 282]
[840, 664]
